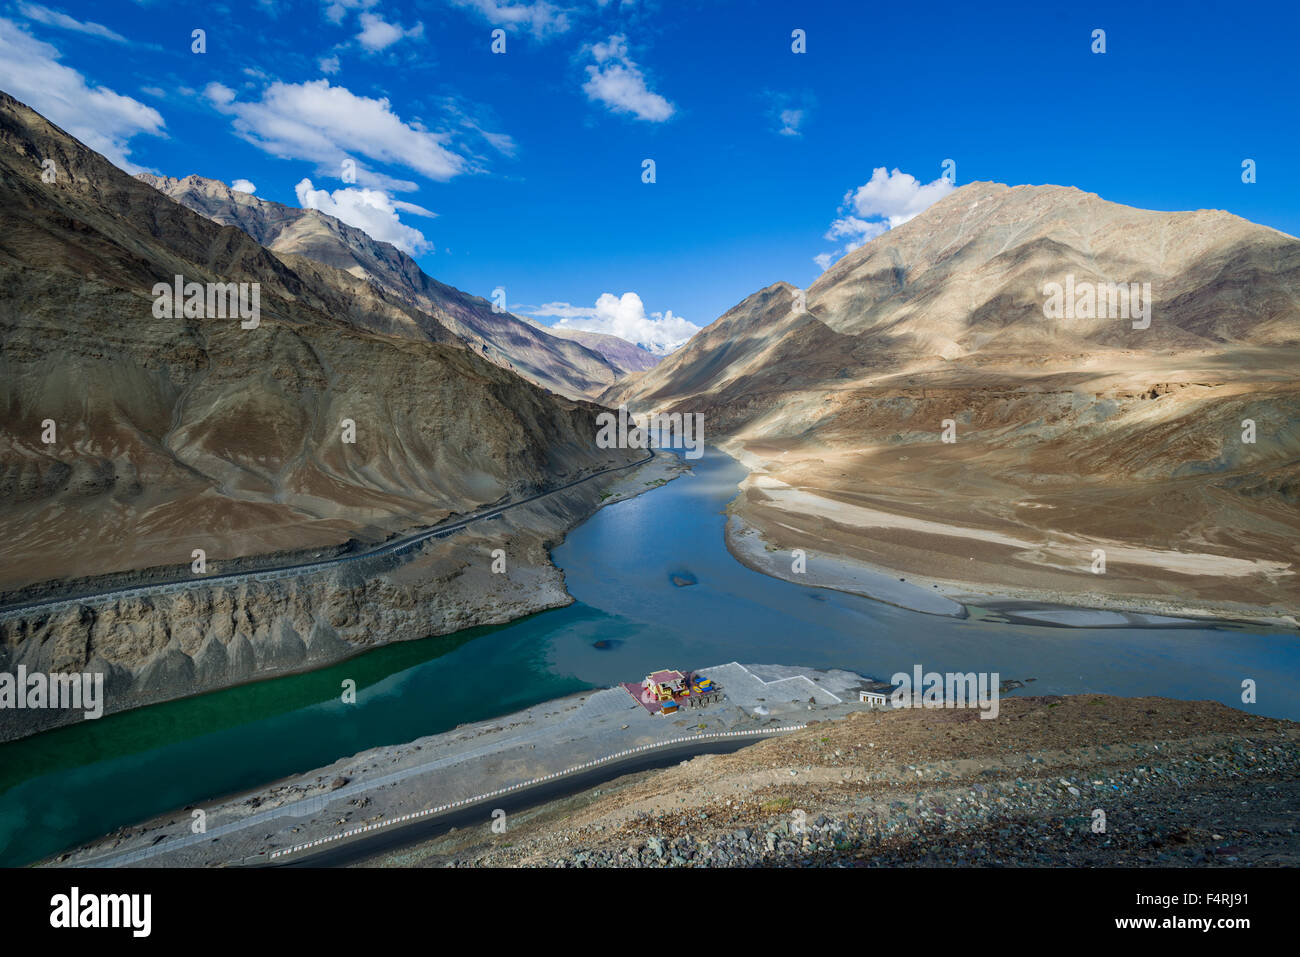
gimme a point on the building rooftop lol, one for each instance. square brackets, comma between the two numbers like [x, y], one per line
[666, 677]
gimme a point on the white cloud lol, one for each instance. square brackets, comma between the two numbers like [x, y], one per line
[378, 34]
[328, 64]
[370, 210]
[503, 143]
[624, 316]
[336, 10]
[243, 186]
[219, 94]
[885, 201]
[53, 18]
[474, 119]
[896, 196]
[790, 120]
[542, 19]
[619, 83]
[327, 124]
[788, 112]
[857, 231]
[102, 119]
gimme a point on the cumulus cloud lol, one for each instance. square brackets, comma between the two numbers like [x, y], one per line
[53, 18]
[896, 196]
[885, 201]
[378, 34]
[624, 316]
[328, 64]
[371, 210]
[541, 19]
[243, 186]
[617, 82]
[102, 119]
[329, 124]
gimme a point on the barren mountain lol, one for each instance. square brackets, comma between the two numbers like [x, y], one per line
[1168, 440]
[569, 368]
[177, 433]
[626, 357]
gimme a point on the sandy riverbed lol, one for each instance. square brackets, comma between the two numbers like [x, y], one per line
[921, 563]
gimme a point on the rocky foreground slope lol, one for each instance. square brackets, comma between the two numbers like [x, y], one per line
[1176, 784]
[924, 407]
[575, 369]
[130, 439]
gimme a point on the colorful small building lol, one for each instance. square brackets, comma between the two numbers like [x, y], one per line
[665, 685]
[665, 692]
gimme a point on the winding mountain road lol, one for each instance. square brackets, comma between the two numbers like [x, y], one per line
[393, 547]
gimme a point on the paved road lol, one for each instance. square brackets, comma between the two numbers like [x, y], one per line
[316, 804]
[364, 846]
[394, 547]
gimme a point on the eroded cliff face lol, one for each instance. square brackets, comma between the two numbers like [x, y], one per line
[175, 643]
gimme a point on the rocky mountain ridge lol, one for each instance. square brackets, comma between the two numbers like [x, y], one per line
[567, 367]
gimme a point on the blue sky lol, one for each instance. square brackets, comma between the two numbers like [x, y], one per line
[524, 170]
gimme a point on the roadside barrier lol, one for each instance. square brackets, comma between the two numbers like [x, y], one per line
[415, 815]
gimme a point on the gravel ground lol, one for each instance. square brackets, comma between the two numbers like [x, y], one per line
[1179, 783]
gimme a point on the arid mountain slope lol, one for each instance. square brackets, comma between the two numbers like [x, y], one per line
[626, 357]
[1067, 435]
[569, 368]
[180, 433]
